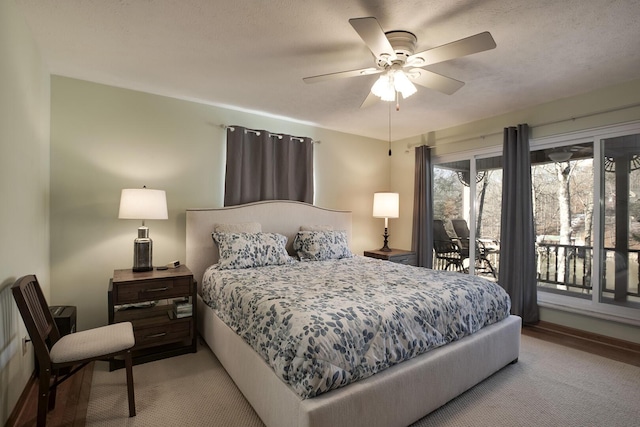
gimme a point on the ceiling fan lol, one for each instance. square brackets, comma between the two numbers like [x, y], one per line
[400, 66]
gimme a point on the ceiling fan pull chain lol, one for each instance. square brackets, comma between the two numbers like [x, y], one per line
[390, 128]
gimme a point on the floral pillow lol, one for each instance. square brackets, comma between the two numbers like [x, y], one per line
[246, 250]
[321, 245]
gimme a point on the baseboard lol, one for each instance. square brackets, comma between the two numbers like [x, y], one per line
[612, 348]
[29, 390]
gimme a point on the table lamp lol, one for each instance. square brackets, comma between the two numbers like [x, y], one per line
[386, 205]
[143, 203]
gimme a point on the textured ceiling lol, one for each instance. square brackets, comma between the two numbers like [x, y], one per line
[252, 55]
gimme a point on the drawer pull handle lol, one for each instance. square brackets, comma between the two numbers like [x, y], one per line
[157, 289]
[161, 334]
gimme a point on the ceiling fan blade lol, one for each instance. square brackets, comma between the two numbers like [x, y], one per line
[467, 46]
[369, 100]
[434, 80]
[373, 36]
[342, 74]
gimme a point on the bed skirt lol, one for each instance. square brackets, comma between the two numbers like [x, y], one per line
[397, 396]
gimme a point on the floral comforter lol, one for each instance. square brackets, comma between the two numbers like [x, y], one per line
[322, 325]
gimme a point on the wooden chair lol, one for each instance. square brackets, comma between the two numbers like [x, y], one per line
[73, 351]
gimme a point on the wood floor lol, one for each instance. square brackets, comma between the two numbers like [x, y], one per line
[72, 400]
[73, 395]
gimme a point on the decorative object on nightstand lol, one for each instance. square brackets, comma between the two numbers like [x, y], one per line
[386, 205]
[161, 306]
[143, 203]
[398, 256]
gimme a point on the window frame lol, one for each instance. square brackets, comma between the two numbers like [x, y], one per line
[592, 306]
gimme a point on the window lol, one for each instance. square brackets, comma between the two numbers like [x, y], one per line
[586, 195]
[587, 250]
[562, 180]
[620, 217]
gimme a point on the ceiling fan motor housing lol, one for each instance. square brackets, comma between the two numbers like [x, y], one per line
[404, 45]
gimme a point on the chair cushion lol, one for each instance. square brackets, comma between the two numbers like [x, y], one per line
[93, 343]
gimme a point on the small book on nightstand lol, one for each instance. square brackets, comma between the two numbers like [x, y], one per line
[181, 308]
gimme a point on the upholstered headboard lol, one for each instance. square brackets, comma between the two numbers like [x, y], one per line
[275, 216]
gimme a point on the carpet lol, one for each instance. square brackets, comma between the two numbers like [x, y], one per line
[551, 385]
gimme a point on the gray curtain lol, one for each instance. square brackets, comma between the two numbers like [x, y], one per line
[517, 273]
[422, 238]
[266, 166]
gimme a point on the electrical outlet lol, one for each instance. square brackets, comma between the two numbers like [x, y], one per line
[25, 340]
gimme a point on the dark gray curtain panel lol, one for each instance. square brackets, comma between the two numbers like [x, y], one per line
[422, 238]
[266, 166]
[517, 273]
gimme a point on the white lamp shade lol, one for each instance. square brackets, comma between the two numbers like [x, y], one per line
[143, 203]
[386, 205]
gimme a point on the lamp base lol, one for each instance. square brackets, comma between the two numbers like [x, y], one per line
[142, 251]
[386, 247]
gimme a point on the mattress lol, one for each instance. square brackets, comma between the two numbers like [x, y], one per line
[322, 325]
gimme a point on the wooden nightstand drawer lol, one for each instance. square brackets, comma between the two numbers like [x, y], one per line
[147, 290]
[409, 259]
[168, 332]
[147, 300]
[395, 255]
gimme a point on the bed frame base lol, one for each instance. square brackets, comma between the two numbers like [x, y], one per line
[397, 396]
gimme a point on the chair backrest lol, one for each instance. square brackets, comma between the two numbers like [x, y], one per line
[37, 318]
[461, 228]
[441, 240]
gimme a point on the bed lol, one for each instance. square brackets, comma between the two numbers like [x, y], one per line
[395, 396]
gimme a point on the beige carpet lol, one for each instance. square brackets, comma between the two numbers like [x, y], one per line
[551, 385]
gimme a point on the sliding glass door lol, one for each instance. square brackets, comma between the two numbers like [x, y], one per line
[467, 198]
[450, 203]
[487, 211]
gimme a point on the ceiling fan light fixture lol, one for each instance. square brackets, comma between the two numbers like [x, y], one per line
[391, 82]
[403, 84]
[383, 88]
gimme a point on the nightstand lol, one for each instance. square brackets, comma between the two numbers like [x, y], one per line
[146, 300]
[396, 255]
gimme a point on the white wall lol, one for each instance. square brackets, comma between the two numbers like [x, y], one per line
[24, 190]
[104, 139]
[595, 109]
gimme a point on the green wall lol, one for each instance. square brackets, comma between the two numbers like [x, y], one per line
[70, 146]
[24, 190]
[104, 139]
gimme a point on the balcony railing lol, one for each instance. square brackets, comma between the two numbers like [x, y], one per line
[567, 268]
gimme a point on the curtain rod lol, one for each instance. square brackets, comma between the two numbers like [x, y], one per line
[612, 110]
[278, 135]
